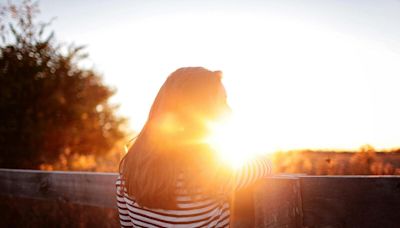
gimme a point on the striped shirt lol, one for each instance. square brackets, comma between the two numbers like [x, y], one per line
[192, 211]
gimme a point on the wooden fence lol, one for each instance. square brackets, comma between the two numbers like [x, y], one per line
[82, 199]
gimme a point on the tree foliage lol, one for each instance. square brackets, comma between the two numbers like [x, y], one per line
[49, 106]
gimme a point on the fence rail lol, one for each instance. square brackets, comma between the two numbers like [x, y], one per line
[86, 188]
[276, 201]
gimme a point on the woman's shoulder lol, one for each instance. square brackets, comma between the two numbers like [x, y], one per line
[120, 178]
[120, 183]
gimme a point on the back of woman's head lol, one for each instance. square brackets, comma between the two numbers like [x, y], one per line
[189, 97]
[171, 143]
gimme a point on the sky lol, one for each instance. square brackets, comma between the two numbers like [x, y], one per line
[298, 74]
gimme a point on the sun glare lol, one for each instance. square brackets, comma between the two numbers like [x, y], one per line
[227, 139]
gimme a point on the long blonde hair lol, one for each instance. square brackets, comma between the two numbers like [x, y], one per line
[170, 143]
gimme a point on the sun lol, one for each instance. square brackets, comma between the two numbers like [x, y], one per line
[227, 138]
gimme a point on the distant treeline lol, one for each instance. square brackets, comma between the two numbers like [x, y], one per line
[366, 161]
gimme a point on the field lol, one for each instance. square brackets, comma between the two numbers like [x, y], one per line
[366, 161]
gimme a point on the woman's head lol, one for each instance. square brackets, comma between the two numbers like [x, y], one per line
[171, 141]
[188, 99]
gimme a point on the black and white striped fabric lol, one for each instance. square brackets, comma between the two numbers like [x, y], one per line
[192, 210]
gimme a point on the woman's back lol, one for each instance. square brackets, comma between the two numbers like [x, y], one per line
[192, 210]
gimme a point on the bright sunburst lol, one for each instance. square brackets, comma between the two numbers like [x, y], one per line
[227, 139]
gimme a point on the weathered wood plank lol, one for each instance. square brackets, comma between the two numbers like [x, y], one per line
[27, 212]
[277, 202]
[351, 201]
[86, 188]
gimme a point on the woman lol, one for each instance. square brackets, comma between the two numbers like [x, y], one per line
[170, 176]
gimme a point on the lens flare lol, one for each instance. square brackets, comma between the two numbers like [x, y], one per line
[226, 138]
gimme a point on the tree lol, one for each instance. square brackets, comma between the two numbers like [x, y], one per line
[49, 106]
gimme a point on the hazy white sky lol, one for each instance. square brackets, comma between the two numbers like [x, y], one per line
[299, 74]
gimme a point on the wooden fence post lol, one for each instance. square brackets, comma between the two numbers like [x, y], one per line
[277, 201]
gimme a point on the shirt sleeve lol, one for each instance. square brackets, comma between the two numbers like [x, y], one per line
[252, 171]
[123, 210]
